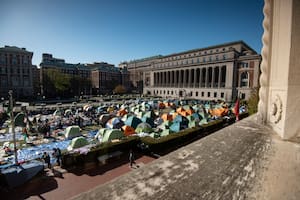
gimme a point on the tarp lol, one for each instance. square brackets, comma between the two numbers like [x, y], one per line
[143, 127]
[72, 132]
[112, 135]
[18, 175]
[78, 142]
[133, 121]
[128, 130]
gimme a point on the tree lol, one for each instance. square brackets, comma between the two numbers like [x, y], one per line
[56, 82]
[120, 89]
[253, 101]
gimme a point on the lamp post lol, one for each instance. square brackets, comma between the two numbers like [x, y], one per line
[10, 93]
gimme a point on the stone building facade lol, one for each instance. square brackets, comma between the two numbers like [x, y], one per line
[103, 77]
[217, 72]
[16, 72]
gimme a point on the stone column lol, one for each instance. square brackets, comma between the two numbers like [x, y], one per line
[212, 77]
[279, 103]
[190, 77]
[206, 77]
[220, 75]
[195, 78]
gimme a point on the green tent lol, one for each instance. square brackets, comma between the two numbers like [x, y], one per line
[143, 127]
[112, 134]
[78, 142]
[72, 132]
[57, 112]
[192, 124]
[154, 135]
[166, 132]
[19, 120]
[165, 125]
[101, 132]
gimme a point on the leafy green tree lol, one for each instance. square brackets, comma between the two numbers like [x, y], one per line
[57, 83]
[119, 89]
[253, 101]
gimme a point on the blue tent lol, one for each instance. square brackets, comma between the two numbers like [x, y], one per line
[183, 120]
[133, 121]
[148, 120]
[175, 127]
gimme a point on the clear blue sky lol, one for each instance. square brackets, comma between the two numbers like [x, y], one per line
[113, 31]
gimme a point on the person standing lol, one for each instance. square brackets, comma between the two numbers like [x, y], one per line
[46, 158]
[131, 158]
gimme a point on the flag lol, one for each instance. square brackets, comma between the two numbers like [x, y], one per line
[237, 109]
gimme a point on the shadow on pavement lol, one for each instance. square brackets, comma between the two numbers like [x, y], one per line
[35, 187]
[101, 169]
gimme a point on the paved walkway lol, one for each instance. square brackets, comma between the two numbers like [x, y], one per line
[61, 184]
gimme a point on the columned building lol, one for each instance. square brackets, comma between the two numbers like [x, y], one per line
[217, 72]
[16, 72]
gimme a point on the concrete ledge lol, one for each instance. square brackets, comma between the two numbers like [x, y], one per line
[227, 164]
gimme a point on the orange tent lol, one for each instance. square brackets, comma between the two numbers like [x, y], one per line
[190, 111]
[219, 112]
[179, 110]
[174, 115]
[161, 105]
[122, 112]
[167, 117]
[128, 130]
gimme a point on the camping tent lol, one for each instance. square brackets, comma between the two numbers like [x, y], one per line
[132, 121]
[112, 135]
[128, 130]
[143, 127]
[78, 142]
[148, 120]
[114, 123]
[72, 132]
[165, 125]
[166, 132]
[104, 118]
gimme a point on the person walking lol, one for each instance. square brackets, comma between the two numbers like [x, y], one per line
[46, 158]
[131, 158]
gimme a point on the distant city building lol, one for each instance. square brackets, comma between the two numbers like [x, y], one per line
[105, 77]
[16, 72]
[36, 80]
[79, 74]
[96, 78]
[218, 72]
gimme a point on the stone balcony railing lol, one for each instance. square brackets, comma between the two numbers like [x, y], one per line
[241, 161]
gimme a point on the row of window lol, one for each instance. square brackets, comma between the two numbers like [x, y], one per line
[4, 70]
[191, 94]
[194, 54]
[192, 61]
[14, 59]
[15, 81]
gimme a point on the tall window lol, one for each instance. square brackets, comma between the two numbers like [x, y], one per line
[244, 79]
